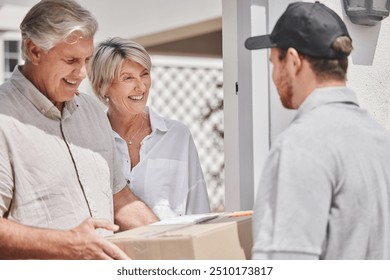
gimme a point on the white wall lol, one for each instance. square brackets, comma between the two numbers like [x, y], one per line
[11, 17]
[371, 82]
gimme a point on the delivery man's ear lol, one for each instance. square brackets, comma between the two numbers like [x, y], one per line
[295, 60]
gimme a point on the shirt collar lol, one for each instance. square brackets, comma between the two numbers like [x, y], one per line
[326, 95]
[40, 101]
[156, 121]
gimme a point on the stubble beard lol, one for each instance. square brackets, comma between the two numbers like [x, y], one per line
[285, 91]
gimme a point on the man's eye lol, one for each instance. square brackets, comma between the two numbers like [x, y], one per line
[70, 61]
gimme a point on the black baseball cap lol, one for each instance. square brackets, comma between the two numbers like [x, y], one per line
[310, 28]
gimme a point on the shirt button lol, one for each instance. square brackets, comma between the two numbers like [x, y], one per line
[128, 181]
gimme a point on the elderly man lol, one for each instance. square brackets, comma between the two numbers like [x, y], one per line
[61, 186]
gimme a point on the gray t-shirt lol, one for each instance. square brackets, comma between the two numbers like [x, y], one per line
[56, 169]
[325, 188]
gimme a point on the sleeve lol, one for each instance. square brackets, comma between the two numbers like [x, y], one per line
[6, 178]
[292, 204]
[118, 178]
[118, 181]
[197, 198]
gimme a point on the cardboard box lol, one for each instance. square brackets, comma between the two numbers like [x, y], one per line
[200, 237]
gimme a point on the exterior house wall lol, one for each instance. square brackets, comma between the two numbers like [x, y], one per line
[370, 76]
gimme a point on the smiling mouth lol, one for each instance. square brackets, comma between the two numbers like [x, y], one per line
[136, 97]
[73, 83]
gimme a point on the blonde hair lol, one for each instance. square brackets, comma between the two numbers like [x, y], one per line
[106, 63]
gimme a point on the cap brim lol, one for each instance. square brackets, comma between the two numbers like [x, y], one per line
[259, 42]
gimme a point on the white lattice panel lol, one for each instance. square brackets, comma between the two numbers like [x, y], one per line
[184, 89]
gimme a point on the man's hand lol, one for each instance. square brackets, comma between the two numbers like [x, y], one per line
[84, 243]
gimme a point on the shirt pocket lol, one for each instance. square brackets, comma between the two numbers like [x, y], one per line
[166, 188]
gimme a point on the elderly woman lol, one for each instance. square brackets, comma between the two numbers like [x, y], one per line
[159, 157]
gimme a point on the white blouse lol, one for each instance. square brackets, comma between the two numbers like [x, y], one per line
[168, 177]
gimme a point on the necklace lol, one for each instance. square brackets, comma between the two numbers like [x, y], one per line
[130, 142]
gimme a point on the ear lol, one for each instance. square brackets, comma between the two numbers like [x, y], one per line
[34, 53]
[295, 60]
[104, 94]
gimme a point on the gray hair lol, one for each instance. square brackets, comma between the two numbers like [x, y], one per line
[53, 21]
[106, 63]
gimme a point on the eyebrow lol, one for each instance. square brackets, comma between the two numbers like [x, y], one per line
[124, 73]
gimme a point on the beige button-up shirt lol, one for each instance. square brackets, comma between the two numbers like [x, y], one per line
[56, 168]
